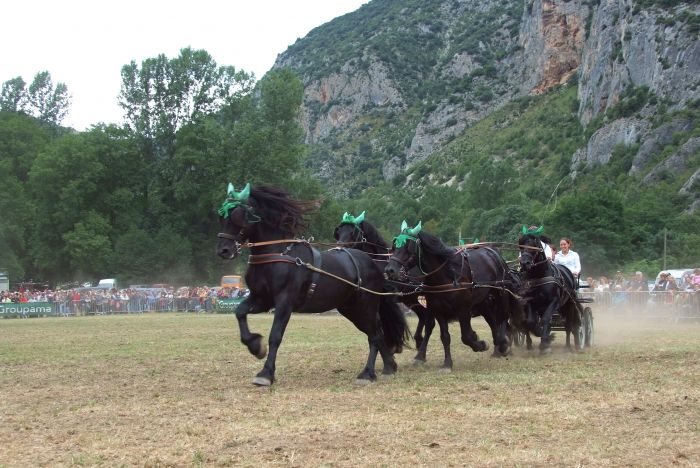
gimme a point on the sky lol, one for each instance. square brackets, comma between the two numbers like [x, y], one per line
[84, 44]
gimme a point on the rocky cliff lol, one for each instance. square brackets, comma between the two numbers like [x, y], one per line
[397, 81]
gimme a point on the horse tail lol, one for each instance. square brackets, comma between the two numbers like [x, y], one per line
[394, 325]
[516, 303]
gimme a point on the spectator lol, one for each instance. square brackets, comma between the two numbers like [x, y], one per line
[638, 283]
[619, 283]
[695, 279]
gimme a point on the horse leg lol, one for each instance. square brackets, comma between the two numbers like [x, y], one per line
[573, 322]
[469, 336]
[418, 335]
[390, 366]
[425, 318]
[501, 347]
[266, 376]
[253, 341]
[499, 328]
[531, 320]
[368, 374]
[528, 340]
[446, 339]
[546, 338]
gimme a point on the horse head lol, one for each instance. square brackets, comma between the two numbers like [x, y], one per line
[238, 221]
[350, 230]
[406, 252]
[531, 251]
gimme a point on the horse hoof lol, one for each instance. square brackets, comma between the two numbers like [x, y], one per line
[363, 381]
[262, 351]
[418, 362]
[262, 381]
[445, 370]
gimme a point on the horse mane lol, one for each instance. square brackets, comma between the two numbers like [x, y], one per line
[372, 235]
[526, 237]
[435, 246]
[279, 209]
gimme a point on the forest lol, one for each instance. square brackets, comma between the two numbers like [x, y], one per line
[138, 200]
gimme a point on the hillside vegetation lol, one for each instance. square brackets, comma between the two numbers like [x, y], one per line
[513, 168]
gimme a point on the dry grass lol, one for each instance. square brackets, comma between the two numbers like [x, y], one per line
[173, 390]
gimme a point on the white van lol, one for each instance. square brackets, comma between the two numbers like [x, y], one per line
[109, 283]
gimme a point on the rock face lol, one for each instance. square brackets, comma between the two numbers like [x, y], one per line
[649, 47]
[552, 37]
[337, 100]
[411, 77]
[600, 145]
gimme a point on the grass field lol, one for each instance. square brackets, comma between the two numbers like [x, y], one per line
[174, 390]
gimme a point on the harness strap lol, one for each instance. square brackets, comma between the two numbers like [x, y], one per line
[354, 262]
[314, 276]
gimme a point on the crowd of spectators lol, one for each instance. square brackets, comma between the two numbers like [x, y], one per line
[91, 300]
[635, 289]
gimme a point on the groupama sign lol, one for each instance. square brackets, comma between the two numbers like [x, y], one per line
[26, 309]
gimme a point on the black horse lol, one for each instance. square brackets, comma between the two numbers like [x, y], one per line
[458, 284]
[363, 235]
[547, 288]
[290, 275]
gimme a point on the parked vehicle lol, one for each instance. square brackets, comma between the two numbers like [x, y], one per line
[232, 282]
[108, 283]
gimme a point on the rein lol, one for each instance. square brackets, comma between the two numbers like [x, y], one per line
[263, 259]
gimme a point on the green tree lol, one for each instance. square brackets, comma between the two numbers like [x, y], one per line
[47, 102]
[89, 248]
[21, 139]
[14, 95]
[83, 176]
[162, 95]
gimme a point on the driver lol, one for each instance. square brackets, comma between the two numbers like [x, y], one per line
[568, 257]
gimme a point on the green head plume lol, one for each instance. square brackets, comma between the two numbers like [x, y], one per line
[233, 199]
[407, 234]
[350, 219]
[535, 231]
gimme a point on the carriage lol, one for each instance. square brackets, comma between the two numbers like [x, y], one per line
[585, 331]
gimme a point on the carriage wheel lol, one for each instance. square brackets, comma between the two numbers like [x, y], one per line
[518, 338]
[587, 325]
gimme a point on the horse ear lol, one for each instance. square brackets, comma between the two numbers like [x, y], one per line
[360, 218]
[404, 226]
[230, 190]
[245, 193]
[416, 229]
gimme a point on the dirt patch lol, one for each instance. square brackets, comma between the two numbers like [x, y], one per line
[174, 390]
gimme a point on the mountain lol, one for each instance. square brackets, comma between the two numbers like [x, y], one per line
[396, 81]
[475, 116]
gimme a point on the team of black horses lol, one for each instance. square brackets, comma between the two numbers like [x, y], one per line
[365, 279]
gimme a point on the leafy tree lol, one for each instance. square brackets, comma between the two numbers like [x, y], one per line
[14, 95]
[162, 95]
[47, 102]
[88, 246]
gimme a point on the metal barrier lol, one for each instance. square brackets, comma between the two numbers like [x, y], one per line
[668, 305]
[136, 304]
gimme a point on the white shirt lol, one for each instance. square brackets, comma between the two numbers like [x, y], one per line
[547, 250]
[570, 261]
